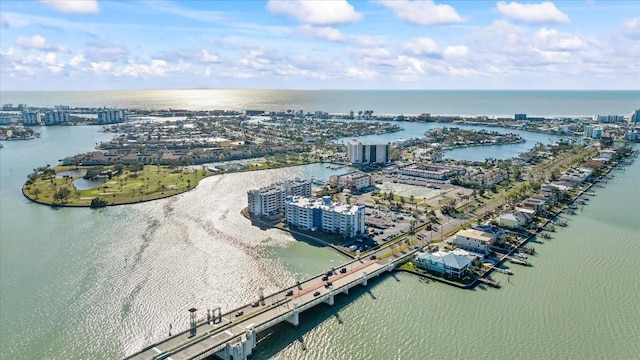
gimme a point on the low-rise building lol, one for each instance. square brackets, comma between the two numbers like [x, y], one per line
[443, 263]
[474, 240]
[512, 220]
[432, 171]
[351, 181]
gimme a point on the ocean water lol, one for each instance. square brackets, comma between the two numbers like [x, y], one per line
[442, 102]
[101, 284]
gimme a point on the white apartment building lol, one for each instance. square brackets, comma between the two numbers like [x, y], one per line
[314, 214]
[110, 116]
[30, 118]
[56, 117]
[361, 153]
[269, 201]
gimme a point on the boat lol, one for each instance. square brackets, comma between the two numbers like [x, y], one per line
[317, 181]
[520, 256]
[518, 261]
[504, 271]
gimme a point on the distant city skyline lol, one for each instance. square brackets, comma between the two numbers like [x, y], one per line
[338, 44]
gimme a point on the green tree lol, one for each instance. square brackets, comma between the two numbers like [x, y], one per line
[61, 195]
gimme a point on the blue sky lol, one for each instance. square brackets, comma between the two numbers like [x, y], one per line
[328, 44]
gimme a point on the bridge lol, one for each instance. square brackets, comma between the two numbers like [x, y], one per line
[232, 336]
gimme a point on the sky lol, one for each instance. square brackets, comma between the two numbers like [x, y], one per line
[328, 44]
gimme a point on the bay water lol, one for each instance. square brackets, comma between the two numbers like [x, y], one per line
[101, 284]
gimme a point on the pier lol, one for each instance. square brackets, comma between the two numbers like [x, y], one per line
[232, 335]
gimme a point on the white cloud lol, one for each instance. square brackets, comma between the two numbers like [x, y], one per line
[77, 60]
[455, 51]
[37, 42]
[316, 12]
[101, 66]
[551, 39]
[206, 57]
[545, 12]
[358, 73]
[421, 46]
[256, 60]
[4, 23]
[9, 52]
[74, 6]
[422, 12]
[632, 28]
[326, 33]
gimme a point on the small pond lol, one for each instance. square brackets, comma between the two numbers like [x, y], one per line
[84, 184]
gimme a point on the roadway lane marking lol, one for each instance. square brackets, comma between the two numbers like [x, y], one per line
[157, 350]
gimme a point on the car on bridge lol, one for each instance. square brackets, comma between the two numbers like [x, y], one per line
[239, 313]
[316, 293]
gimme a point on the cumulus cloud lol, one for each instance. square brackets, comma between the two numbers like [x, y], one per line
[421, 46]
[206, 57]
[77, 60]
[7, 53]
[632, 28]
[422, 12]
[551, 39]
[545, 12]
[74, 6]
[455, 51]
[316, 12]
[37, 42]
[325, 33]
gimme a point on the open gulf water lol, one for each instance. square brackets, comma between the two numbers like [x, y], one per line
[102, 284]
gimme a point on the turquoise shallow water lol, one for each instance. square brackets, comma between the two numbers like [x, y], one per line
[99, 284]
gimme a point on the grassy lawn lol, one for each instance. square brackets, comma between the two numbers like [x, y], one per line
[152, 182]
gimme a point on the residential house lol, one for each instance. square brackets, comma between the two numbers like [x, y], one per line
[474, 240]
[443, 263]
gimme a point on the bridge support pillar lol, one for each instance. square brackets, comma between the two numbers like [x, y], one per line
[294, 319]
[346, 291]
[192, 322]
[364, 278]
[330, 299]
[358, 254]
[390, 265]
[250, 342]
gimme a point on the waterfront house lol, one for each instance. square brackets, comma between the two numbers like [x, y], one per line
[443, 263]
[497, 232]
[474, 240]
[533, 204]
[512, 220]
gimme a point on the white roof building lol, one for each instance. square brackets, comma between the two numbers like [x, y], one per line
[444, 263]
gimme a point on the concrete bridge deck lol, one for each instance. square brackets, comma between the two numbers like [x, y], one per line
[234, 333]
